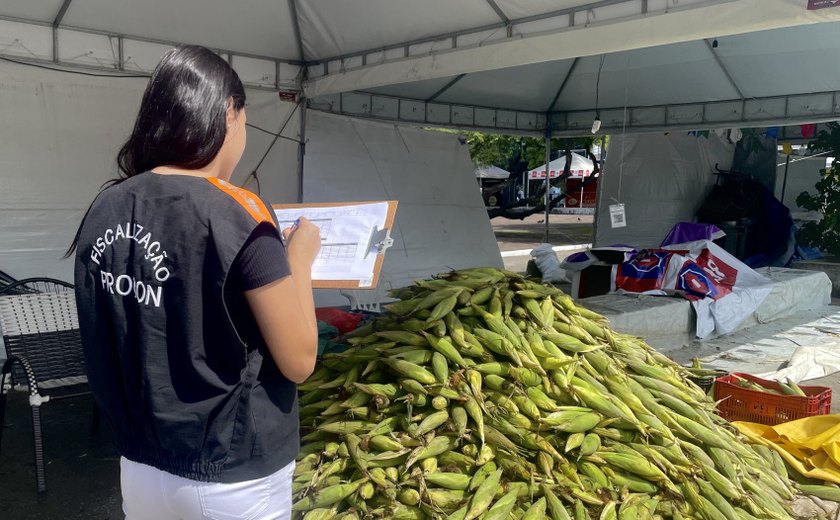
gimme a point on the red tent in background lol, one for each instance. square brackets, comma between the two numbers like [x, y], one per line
[579, 196]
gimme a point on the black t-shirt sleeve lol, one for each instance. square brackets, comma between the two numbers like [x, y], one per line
[261, 260]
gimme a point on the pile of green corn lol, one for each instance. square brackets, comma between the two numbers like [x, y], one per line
[481, 395]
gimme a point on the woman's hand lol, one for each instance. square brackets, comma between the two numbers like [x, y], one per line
[304, 242]
[285, 310]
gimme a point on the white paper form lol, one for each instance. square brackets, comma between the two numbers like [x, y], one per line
[346, 249]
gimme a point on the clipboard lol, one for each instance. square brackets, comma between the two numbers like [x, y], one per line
[376, 241]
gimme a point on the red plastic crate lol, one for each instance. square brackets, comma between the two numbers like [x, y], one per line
[742, 404]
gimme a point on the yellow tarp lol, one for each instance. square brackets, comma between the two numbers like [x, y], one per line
[810, 445]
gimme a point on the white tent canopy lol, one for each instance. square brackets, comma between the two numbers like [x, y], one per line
[491, 172]
[579, 167]
[509, 65]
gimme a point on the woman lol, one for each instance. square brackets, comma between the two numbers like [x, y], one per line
[196, 321]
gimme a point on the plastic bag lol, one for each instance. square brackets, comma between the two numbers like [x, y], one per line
[342, 320]
[548, 264]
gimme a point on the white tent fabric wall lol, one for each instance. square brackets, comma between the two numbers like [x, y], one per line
[441, 221]
[58, 145]
[662, 181]
[278, 174]
[68, 129]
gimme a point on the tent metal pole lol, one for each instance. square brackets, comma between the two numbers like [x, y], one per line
[301, 148]
[784, 182]
[55, 25]
[547, 180]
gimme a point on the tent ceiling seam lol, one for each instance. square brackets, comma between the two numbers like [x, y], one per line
[446, 87]
[296, 29]
[563, 85]
[723, 68]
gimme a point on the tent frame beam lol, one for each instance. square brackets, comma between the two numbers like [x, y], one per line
[502, 16]
[61, 12]
[579, 31]
[492, 119]
[56, 26]
[732, 113]
[569, 11]
[144, 39]
[65, 5]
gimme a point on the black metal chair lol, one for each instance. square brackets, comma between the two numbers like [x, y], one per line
[6, 279]
[40, 330]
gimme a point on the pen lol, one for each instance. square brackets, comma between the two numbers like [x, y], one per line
[292, 229]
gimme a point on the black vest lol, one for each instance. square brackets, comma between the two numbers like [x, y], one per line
[184, 388]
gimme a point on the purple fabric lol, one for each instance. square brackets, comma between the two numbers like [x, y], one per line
[691, 232]
[583, 256]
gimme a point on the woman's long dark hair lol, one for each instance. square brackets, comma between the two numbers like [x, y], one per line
[182, 118]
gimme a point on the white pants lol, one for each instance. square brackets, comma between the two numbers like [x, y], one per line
[151, 494]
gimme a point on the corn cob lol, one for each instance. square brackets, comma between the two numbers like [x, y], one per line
[479, 372]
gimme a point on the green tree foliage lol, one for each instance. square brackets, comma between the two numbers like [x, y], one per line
[824, 234]
[505, 151]
[492, 149]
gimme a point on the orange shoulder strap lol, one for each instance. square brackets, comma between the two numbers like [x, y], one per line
[252, 204]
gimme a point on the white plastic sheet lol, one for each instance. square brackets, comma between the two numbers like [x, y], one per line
[803, 346]
[809, 363]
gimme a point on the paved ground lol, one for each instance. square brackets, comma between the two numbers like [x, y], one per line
[524, 235]
[527, 233]
[82, 468]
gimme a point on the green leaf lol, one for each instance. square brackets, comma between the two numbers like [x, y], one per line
[824, 234]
